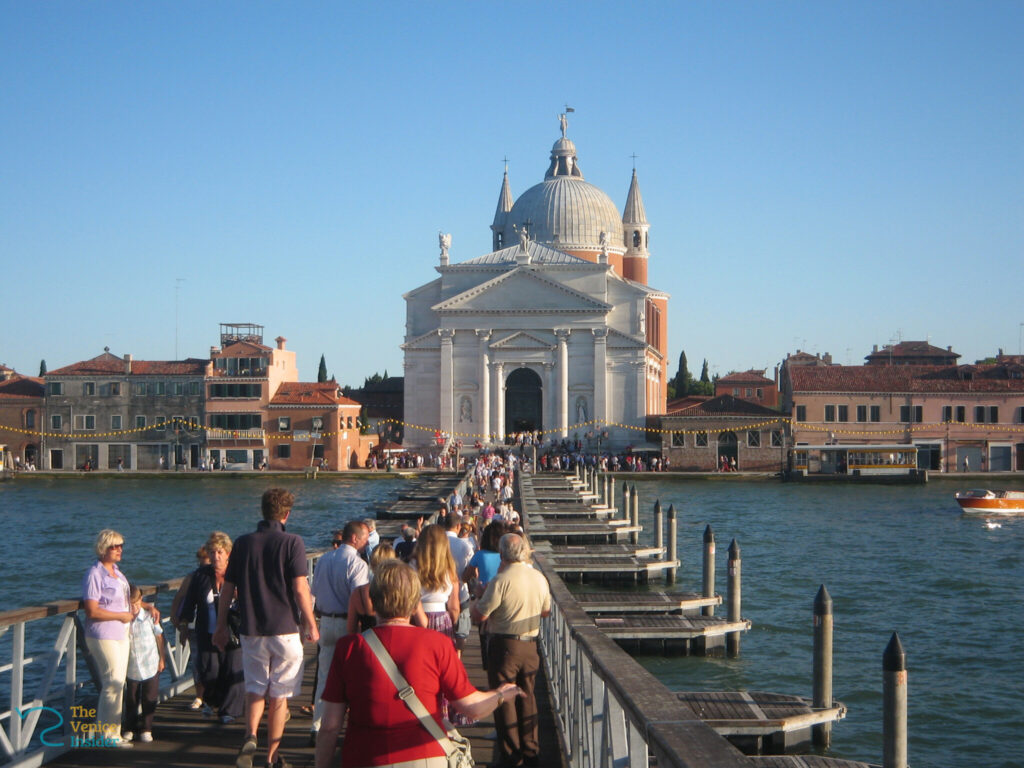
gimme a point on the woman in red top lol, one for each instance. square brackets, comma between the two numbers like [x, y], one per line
[381, 729]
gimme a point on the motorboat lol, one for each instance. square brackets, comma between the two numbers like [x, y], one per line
[981, 501]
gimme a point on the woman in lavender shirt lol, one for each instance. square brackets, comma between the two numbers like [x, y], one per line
[108, 614]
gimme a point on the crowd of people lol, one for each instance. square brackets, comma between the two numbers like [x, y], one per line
[375, 609]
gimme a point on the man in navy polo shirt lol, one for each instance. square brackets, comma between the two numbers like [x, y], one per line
[268, 570]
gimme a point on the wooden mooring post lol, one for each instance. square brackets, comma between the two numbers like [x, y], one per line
[634, 505]
[822, 733]
[606, 498]
[894, 705]
[625, 501]
[659, 524]
[673, 544]
[611, 490]
[709, 570]
[732, 640]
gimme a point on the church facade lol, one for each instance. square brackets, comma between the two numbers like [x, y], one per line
[555, 330]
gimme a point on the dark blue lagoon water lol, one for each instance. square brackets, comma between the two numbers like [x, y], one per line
[894, 559]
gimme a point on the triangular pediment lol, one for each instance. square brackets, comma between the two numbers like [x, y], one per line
[521, 291]
[620, 340]
[522, 340]
[429, 340]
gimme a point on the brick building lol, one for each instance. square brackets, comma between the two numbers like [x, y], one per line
[697, 435]
[22, 407]
[111, 411]
[313, 424]
[959, 416]
[750, 385]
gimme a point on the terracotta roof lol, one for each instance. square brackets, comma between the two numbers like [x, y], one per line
[908, 378]
[725, 405]
[912, 349]
[752, 376]
[21, 387]
[242, 346]
[112, 365]
[326, 393]
[682, 403]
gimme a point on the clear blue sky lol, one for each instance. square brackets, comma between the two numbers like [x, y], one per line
[817, 175]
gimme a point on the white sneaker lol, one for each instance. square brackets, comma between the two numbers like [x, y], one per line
[123, 743]
[146, 736]
[127, 735]
[197, 703]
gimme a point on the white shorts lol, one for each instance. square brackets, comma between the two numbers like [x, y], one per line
[272, 664]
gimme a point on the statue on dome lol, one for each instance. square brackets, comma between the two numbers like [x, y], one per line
[444, 239]
[604, 244]
[563, 121]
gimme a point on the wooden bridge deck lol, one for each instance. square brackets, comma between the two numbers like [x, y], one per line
[185, 739]
[757, 721]
[806, 761]
[644, 602]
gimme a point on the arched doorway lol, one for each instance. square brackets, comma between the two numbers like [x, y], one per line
[524, 399]
[727, 448]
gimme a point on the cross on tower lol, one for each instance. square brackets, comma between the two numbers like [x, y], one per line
[634, 156]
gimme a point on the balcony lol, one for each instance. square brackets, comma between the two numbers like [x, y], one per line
[233, 436]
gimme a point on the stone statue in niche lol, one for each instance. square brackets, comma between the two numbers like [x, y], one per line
[641, 321]
[581, 410]
[465, 410]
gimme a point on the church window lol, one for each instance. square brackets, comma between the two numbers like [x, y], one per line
[500, 241]
[647, 240]
[636, 238]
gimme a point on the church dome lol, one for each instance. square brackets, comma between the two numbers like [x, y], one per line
[564, 211]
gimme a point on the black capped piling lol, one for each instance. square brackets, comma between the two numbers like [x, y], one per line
[732, 640]
[673, 544]
[894, 705]
[822, 734]
[708, 586]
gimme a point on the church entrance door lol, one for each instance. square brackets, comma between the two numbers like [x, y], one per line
[523, 401]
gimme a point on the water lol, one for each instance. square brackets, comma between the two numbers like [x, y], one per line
[893, 558]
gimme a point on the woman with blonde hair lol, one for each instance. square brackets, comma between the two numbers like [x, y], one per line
[439, 582]
[108, 612]
[360, 607]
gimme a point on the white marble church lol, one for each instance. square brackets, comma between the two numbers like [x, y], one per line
[555, 330]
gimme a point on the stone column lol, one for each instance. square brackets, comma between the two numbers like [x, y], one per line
[562, 334]
[484, 420]
[447, 388]
[600, 376]
[499, 402]
[547, 418]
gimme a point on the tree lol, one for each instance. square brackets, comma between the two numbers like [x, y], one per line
[321, 375]
[681, 382]
[704, 371]
[42, 368]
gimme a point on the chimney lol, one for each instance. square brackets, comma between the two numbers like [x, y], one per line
[214, 350]
[280, 342]
[949, 348]
[128, 364]
[874, 349]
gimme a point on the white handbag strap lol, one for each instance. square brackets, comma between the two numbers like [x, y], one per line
[405, 691]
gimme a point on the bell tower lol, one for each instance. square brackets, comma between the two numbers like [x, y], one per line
[635, 232]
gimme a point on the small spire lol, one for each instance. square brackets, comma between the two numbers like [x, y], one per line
[634, 212]
[504, 201]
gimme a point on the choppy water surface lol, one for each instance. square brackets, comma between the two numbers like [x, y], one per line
[894, 559]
